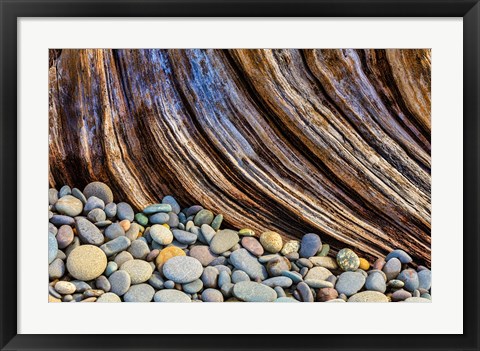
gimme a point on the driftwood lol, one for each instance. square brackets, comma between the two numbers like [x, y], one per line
[335, 142]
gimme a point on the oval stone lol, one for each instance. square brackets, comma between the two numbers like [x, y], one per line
[88, 232]
[349, 283]
[376, 282]
[254, 292]
[100, 190]
[281, 281]
[184, 237]
[203, 254]
[182, 269]
[252, 245]
[348, 260]
[161, 234]
[212, 295]
[392, 268]
[86, 262]
[52, 247]
[271, 241]
[400, 254]
[114, 231]
[139, 293]
[69, 205]
[166, 254]
[223, 241]
[193, 287]
[140, 271]
[116, 245]
[410, 278]
[171, 295]
[368, 296]
[170, 200]
[290, 247]
[159, 218]
[244, 261]
[109, 297]
[120, 282]
[203, 217]
[424, 279]
[125, 211]
[326, 294]
[418, 299]
[310, 245]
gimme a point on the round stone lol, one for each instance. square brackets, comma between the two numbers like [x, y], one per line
[125, 211]
[424, 278]
[240, 276]
[410, 279]
[396, 284]
[139, 293]
[123, 257]
[326, 294]
[271, 241]
[325, 249]
[96, 215]
[193, 287]
[166, 254]
[254, 292]
[100, 190]
[400, 295]
[171, 295]
[111, 209]
[252, 245]
[212, 295]
[159, 218]
[64, 191]
[243, 260]
[86, 262]
[310, 245]
[182, 269]
[69, 206]
[290, 247]
[94, 202]
[400, 254]
[109, 297]
[223, 241]
[348, 260]
[56, 269]
[114, 230]
[52, 196]
[139, 271]
[349, 283]
[203, 254]
[161, 234]
[208, 232]
[52, 247]
[65, 288]
[276, 266]
[392, 268]
[203, 217]
[368, 296]
[376, 282]
[120, 282]
[139, 249]
[88, 232]
[364, 265]
[304, 292]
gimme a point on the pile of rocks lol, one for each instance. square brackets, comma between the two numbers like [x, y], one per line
[101, 251]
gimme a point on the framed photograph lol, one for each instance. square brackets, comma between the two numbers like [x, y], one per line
[238, 175]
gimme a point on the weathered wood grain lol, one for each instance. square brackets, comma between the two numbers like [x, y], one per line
[335, 142]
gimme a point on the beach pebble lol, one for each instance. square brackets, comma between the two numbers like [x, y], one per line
[212, 295]
[400, 254]
[59, 220]
[96, 215]
[86, 262]
[326, 294]
[193, 287]
[166, 254]
[203, 254]
[184, 237]
[326, 262]
[139, 293]
[318, 273]
[254, 292]
[182, 269]
[418, 299]
[203, 217]
[410, 279]
[123, 257]
[115, 246]
[56, 269]
[252, 245]
[103, 283]
[171, 295]
[349, 283]
[161, 234]
[305, 292]
[223, 241]
[52, 248]
[52, 196]
[294, 276]
[276, 266]
[318, 284]
[239, 276]
[376, 282]
[125, 211]
[140, 271]
[120, 282]
[109, 297]
[348, 260]
[210, 277]
[69, 206]
[368, 296]
[159, 218]
[392, 268]
[94, 202]
[310, 245]
[88, 232]
[139, 249]
[110, 209]
[281, 281]
[100, 190]
[271, 241]
[170, 200]
[290, 247]
[400, 295]
[114, 230]
[424, 278]
[217, 222]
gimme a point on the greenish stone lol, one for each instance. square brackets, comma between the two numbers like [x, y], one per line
[157, 208]
[203, 217]
[324, 250]
[246, 232]
[141, 219]
[348, 260]
[217, 221]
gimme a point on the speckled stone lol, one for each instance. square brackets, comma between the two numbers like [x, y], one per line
[290, 247]
[109, 297]
[324, 250]
[271, 241]
[254, 292]
[86, 262]
[139, 293]
[348, 260]
[182, 269]
[100, 190]
[65, 288]
[140, 271]
[223, 241]
[368, 296]
[171, 295]
[161, 234]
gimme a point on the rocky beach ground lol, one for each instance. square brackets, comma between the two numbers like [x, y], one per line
[102, 251]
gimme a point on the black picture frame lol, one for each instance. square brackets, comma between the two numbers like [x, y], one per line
[12, 10]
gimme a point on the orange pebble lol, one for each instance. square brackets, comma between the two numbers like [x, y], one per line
[166, 225]
[364, 264]
[125, 224]
[166, 254]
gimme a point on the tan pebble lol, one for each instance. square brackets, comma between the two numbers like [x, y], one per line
[364, 264]
[53, 299]
[271, 241]
[89, 299]
[125, 224]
